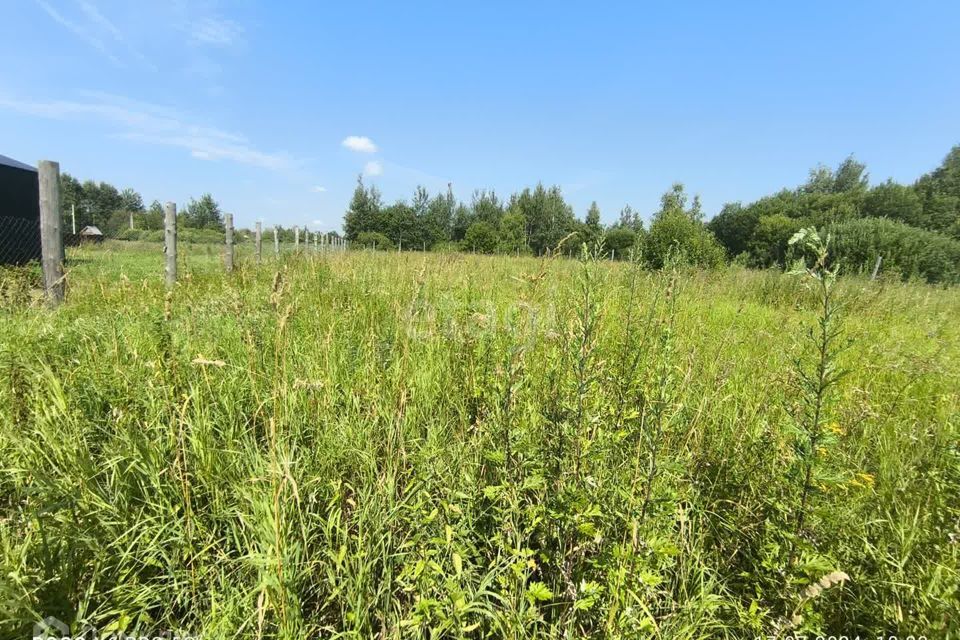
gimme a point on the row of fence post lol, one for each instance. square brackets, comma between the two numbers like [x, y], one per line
[321, 242]
[52, 247]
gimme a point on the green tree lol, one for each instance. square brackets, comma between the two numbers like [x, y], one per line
[896, 202]
[363, 213]
[592, 227]
[203, 214]
[630, 219]
[439, 217]
[850, 176]
[620, 240]
[734, 226]
[130, 201]
[769, 243]
[549, 218]
[676, 231]
[153, 217]
[481, 237]
[513, 234]
[374, 240]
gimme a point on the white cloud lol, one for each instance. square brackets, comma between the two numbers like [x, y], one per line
[153, 124]
[373, 168]
[84, 32]
[216, 31]
[319, 189]
[361, 144]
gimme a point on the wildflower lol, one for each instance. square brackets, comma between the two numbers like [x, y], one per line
[835, 428]
[863, 480]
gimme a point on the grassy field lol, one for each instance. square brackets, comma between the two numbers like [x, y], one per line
[380, 445]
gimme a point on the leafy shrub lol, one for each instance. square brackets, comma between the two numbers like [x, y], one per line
[906, 250]
[620, 240]
[677, 233]
[374, 240]
[481, 237]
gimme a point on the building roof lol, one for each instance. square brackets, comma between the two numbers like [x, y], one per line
[91, 230]
[10, 162]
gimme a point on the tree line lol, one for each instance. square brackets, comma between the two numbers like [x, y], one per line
[916, 227]
[100, 204]
[121, 214]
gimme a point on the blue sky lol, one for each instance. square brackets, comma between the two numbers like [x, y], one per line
[276, 107]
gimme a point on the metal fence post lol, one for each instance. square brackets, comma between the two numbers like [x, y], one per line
[51, 233]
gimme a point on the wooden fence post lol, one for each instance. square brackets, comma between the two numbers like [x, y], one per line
[51, 233]
[170, 242]
[876, 267]
[228, 237]
[276, 242]
[258, 240]
[296, 238]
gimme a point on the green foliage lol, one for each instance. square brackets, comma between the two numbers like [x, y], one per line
[770, 239]
[679, 233]
[481, 237]
[734, 226]
[513, 234]
[374, 240]
[202, 214]
[907, 251]
[621, 240]
[841, 199]
[363, 212]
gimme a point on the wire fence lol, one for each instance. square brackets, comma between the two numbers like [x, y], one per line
[140, 253]
[39, 255]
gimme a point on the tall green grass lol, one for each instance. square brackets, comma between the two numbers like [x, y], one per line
[381, 445]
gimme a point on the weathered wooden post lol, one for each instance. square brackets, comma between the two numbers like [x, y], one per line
[170, 242]
[876, 267]
[228, 248]
[131, 221]
[258, 240]
[51, 233]
[296, 239]
[276, 242]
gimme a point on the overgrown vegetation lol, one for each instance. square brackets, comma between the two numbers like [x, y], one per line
[445, 445]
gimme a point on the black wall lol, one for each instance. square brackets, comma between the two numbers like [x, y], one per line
[19, 215]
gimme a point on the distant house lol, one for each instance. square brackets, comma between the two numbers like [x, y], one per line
[19, 212]
[91, 233]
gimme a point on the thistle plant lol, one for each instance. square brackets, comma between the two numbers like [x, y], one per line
[818, 374]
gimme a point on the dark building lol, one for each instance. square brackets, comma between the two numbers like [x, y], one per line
[19, 212]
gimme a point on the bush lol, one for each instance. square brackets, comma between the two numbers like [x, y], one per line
[374, 240]
[620, 240]
[768, 244]
[481, 237]
[677, 233]
[906, 250]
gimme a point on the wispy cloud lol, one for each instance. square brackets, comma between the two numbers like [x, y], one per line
[373, 168]
[361, 144]
[85, 32]
[216, 31]
[319, 189]
[154, 124]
